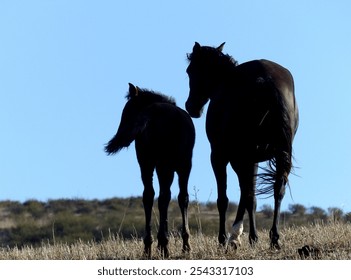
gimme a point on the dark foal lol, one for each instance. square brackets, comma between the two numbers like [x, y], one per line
[164, 138]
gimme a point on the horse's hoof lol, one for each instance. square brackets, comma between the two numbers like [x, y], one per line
[147, 253]
[275, 246]
[186, 248]
[233, 245]
[309, 251]
[253, 240]
[164, 253]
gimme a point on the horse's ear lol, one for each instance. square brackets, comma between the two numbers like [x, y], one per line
[220, 48]
[196, 47]
[133, 90]
[137, 91]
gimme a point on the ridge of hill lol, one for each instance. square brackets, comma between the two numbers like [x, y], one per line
[68, 220]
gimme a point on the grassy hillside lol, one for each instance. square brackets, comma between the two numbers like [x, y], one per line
[328, 242]
[113, 229]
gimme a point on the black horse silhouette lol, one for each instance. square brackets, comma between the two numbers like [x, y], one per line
[252, 117]
[164, 138]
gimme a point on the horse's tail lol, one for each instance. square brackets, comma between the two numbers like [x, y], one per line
[272, 172]
[280, 166]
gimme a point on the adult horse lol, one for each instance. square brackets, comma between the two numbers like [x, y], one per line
[252, 117]
[164, 138]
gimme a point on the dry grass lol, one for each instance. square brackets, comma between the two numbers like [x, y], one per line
[333, 241]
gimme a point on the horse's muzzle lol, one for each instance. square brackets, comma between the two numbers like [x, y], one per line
[192, 112]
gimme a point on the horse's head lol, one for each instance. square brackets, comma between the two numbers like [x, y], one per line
[203, 76]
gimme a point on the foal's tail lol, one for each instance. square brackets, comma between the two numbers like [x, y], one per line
[126, 134]
[123, 138]
[115, 145]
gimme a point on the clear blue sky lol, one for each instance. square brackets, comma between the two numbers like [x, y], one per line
[65, 68]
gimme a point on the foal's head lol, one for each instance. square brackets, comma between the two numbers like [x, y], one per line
[133, 120]
[139, 99]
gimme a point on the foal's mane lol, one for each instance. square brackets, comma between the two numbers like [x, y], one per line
[152, 96]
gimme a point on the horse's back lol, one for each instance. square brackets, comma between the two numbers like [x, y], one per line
[259, 71]
[283, 81]
[268, 84]
[254, 112]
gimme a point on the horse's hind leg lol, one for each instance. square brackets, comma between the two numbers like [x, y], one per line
[183, 201]
[247, 181]
[279, 191]
[283, 166]
[148, 200]
[165, 178]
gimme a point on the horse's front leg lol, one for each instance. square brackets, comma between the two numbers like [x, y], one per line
[148, 200]
[219, 165]
[165, 178]
[183, 201]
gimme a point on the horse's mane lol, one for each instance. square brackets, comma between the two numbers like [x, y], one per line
[210, 51]
[153, 96]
